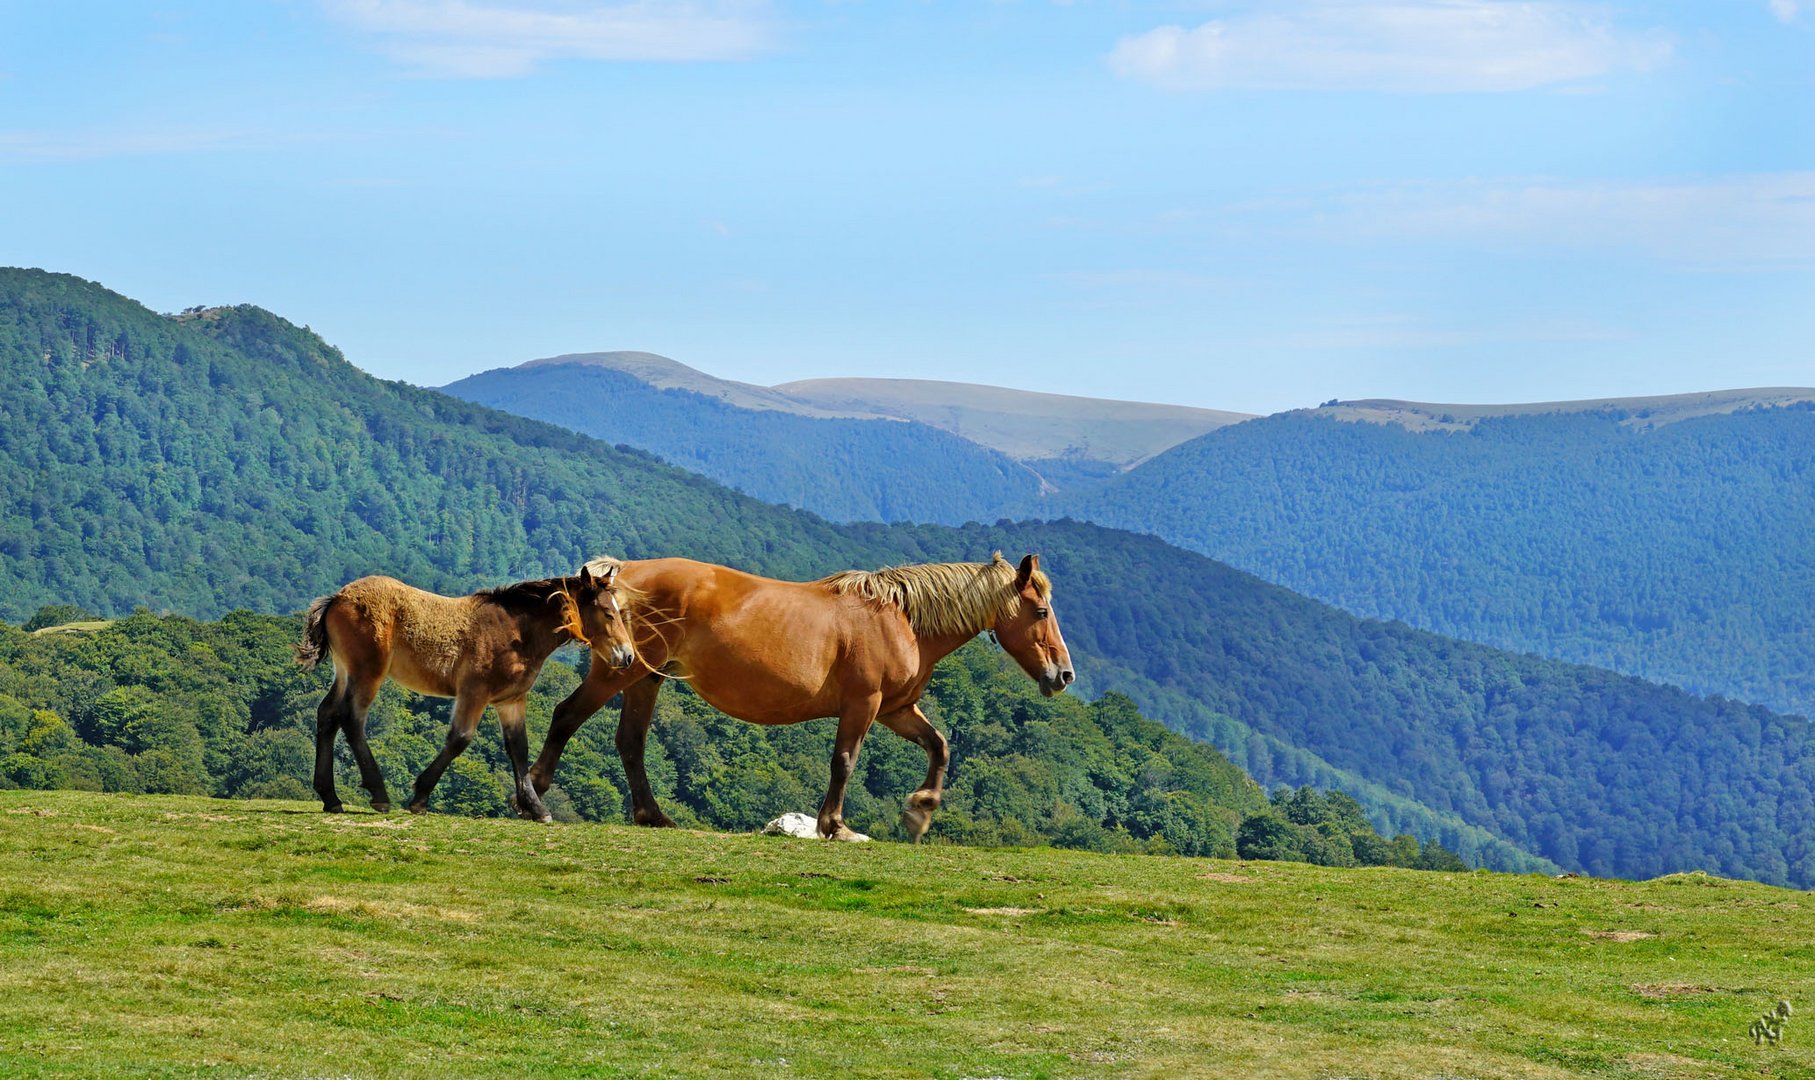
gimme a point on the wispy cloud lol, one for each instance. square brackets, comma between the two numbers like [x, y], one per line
[40, 146]
[1755, 221]
[1785, 10]
[1413, 332]
[469, 39]
[1404, 46]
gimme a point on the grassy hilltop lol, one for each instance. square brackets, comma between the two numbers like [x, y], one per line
[186, 936]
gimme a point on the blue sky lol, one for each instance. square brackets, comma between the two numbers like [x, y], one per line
[1252, 206]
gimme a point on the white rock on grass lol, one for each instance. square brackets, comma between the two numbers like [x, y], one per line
[805, 826]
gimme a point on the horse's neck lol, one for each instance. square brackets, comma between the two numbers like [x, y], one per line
[542, 629]
[936, 647]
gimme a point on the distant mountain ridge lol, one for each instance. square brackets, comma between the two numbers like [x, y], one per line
[842, 468]
[1653, 411]
[665, 374]
[1027, 425]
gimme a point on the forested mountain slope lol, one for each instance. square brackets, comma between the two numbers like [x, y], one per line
[1679, 551]
[230, 459]
[841, 469]
[234, 460]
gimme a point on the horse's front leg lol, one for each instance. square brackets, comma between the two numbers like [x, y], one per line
[853, 724]
[511, 718]
[633, 735]
[467, 710]
[599, 686]
[911, 724]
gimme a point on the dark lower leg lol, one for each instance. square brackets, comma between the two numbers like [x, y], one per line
[575, 709]
[633, 735]
[369, 777]
[459, 737]
[327, 722]
[516, 747]
[912, 724]
[852, 726]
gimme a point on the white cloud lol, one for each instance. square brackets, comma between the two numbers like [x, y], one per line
[469, 39]
[1746, 222]
[1785, 10]
[1406, 46]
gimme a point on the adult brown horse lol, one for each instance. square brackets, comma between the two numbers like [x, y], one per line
[483, 649]
[858, 645]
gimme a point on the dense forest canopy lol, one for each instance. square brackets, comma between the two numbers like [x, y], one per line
[231, 459]
[1679, 552]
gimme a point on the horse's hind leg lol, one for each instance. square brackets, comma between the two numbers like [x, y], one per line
[359, 702]
[516, 747]
[467, 710]
[633, 735]
[911, 724]
[328, 719]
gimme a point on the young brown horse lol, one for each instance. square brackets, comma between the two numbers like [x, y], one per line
[858, 645]
[483, 649]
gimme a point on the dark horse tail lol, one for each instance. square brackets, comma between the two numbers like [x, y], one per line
[314, 646]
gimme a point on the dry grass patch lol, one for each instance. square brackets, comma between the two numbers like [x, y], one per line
[385, 909]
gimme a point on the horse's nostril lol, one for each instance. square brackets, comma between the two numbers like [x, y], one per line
[1067, 676]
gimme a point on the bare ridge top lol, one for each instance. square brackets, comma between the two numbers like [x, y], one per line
[1642, 411]
[1024, 424]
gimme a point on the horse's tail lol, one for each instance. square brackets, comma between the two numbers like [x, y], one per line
[314, 646]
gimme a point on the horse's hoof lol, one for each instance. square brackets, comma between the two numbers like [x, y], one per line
[657, 820]
[333, 808]
[847, 834]
[915, 822]
[546, 819]
[381, 807]
[418, 808]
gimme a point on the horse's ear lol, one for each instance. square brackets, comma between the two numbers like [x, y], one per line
[1025, 572]
[585, 577]
[610, 575]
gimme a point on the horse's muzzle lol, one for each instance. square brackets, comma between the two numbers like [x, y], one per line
[1055, 680]
[621, 656]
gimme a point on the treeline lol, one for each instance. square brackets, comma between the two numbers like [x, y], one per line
[843, 470]
[1678, 552]
[168, 705]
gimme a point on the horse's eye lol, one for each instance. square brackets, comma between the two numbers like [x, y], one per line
[1041, 613]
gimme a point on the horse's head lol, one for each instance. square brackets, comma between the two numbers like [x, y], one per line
[1031, 634]
[604, 625]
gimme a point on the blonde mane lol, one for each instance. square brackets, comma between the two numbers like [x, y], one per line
[942, 598]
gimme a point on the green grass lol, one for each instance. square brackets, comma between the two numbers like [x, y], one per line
[183, 936]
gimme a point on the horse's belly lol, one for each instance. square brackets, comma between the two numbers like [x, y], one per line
[763, 695]
[419, 678]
